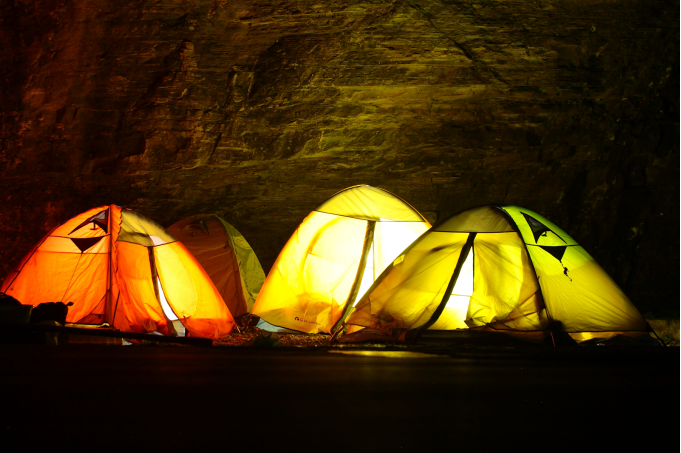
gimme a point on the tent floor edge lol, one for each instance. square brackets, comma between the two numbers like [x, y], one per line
[192, 341]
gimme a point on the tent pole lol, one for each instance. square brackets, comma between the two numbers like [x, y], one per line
[111, 263]
[465, 250]
[154, 273]
[109, 299]
[350, 302]
[157, 291]
[534, 271]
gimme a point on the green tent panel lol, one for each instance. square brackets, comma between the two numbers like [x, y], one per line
[226, 257]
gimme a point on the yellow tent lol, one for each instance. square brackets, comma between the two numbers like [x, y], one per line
[334, 256]
[226, 256]
[122, 269]
[501, 268]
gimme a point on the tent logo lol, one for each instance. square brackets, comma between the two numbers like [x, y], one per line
[305, 320]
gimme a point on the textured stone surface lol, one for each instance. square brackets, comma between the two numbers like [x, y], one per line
[259, 110]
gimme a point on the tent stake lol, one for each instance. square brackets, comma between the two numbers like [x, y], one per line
[553, 339]
[335, 334]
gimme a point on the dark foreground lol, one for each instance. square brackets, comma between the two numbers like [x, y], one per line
[184, 399]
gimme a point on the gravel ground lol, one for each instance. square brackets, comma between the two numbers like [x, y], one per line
[249, 338]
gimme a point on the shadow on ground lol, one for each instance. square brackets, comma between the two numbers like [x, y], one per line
[427, 397]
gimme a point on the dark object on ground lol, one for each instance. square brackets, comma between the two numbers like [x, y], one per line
[558, 336]
[17, 330]
[17, 319]
[245, 322]
[50, 311]
[13, 313]
[6, 299]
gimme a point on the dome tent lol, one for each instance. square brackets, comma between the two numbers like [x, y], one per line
[334, 256]
[226, 256]
[500, 268]
[122, 269]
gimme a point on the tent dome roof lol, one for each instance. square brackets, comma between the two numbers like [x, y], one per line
[484, 219]
[370, 203]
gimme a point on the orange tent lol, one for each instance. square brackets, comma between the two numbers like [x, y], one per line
[226, 256]
[122, 269]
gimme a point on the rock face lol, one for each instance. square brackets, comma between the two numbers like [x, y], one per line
[259, 110]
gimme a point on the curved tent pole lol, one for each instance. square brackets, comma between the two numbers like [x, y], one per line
[350, 302]
[534, 271]
[382, 190]
[111, 264]
[157, 291]
[109, 276]
[68, 286]
[154, 274]
[465, 250]
[405, 202]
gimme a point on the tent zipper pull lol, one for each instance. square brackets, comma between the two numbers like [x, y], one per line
[565, 270]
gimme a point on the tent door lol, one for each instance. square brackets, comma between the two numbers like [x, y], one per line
[465, 250]
[160, 295]
[350, 302]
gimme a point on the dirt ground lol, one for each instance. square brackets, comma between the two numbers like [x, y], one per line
[248, 338]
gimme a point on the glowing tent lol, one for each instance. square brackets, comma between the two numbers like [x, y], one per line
[120, 268]
[501, 268]
[334, 256]
[226, 256]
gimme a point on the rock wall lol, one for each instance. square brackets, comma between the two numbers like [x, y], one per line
[259, 110]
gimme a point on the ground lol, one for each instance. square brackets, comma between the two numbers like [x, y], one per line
[361, 398]
[241, 338]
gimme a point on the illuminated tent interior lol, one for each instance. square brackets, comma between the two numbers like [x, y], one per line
[226, 256]
[334, 256]
[122, 270]
[500, 268]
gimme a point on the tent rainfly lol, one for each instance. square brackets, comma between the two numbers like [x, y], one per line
[501, 268]
[122, 269]
[334, 256]
[227, 258]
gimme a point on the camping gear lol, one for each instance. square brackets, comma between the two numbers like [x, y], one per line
[50, 311]
[334, 256]
[123, 270]
[501, 268]
[226, 256]
[12, 311]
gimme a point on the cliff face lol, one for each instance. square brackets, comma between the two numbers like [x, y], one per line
[259, 110]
